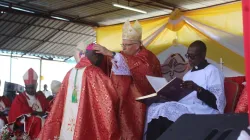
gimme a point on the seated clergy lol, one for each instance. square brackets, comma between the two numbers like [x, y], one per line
[207, 98]
[4, 109]
[28, 108]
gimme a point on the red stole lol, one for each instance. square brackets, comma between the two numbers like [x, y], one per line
[130, 87]
[97, 111]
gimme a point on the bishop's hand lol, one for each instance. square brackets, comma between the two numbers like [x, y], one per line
[102, 50]
[190, 85]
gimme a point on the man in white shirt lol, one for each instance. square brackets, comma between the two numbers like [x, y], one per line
[207, 97]
[46, 92]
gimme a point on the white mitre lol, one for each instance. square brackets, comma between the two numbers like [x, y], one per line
[132, 32]
[30, 77]
[55, 86]
[80, 50]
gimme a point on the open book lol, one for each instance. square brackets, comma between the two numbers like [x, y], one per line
[165, 91]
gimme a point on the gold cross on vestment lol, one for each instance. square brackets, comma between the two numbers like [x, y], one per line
[71, 125]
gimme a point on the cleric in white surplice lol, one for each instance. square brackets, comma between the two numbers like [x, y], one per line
[208, 96]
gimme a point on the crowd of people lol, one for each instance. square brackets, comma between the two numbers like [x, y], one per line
[96, 99]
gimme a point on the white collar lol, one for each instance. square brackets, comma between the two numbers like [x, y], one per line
[31, 97]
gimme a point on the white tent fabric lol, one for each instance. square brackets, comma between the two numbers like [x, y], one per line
[231, 41]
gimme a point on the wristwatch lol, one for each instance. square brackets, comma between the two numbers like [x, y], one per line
[113, 54]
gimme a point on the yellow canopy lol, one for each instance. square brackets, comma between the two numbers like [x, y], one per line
[220, 27]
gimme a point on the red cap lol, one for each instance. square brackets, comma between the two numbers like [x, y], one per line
[90, 47]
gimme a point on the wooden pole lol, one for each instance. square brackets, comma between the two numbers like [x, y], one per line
[40, 74]
[246, 35]
[11, 67]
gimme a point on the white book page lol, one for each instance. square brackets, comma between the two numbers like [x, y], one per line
[157, 82]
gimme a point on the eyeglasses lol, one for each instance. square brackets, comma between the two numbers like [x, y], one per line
[126, 45]
[189, 56]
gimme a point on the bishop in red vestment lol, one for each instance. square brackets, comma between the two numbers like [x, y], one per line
[28, 107]
[128, 74]
[4, 107]
[86, 105]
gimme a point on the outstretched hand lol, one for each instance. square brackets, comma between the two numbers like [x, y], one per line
[102, 50]
[190, 85]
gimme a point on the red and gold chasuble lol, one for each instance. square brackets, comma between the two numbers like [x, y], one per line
[131, 112]
[242, 105]
[95, 114]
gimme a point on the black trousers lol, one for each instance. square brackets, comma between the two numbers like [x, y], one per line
[157, 126]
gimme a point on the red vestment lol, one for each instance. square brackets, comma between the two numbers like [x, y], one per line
[242, 105]
[7, 104]
[97, 110]
[21, 107]
[51, 104]
[131, 112]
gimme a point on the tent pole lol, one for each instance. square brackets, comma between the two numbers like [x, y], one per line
[246, 35]
[40, 75]
[10, 65]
